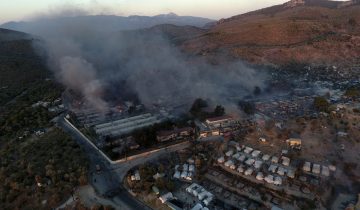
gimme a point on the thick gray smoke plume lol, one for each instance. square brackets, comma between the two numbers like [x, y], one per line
[78, 74]
[90, 61]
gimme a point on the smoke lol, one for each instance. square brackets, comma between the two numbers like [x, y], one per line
[90, 59]
[77, 74]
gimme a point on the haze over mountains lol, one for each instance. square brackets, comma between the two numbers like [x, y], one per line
[106, 22]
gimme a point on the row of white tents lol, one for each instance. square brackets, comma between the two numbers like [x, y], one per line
[318, 169]
[201, 193]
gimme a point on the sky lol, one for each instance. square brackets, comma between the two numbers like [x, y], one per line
[16, 10]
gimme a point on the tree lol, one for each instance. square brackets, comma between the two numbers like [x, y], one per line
[352, 92]
[321, 104]
[257, 90]
[352, 22]
[219, 111]
[247, 107]
[198, 105]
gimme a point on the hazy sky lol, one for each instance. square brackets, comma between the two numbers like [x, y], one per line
[216, 9]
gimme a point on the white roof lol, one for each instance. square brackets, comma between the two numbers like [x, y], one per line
[316, 169]
[281, 171]
[237, 155]
[229, 153]
[242, 158]
[275, 159]
[258, 164]
[185, 167]
[291, 173]
[184, 174]
[229, 163]
[249, 171]
[285, 161]
[177, 174]
[192, 168]
[272, 168]
[221, 159]
[269, 179]
[278, 180]
[260, 176]
[198, 206]
[248, 150]
[325, 171]
[250, 161]
[240, 169]
[255, 153]
[307, 166]
[166, 197]
[266, 157]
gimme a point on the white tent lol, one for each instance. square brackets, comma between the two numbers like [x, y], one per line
[307, 166]
[260, 176]
[316, 169]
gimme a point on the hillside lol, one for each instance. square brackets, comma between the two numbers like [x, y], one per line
[313, 32]
[20, 66]
[54, 160]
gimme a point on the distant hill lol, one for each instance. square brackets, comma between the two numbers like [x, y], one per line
[305, 31]
[108, 23]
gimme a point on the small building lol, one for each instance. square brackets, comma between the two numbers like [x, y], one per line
[269, 179]
[166, 197]
[177, 174]
[240, 169]
[158, 175]
[260, 176]
[248, 150]
[249, 171]
[185, 167]
[229, 153]
[228, 163]
[277, 180]
[265, 157]
[241, 158]
[179, 133]
[221, 159]
[294, 142]
[316, 169]
[155, 190]
[275, 159]
[281, 171]
[272, 168]
[290, 173]
[249, 161]
[285, 161]
[258, 164]
[223, 121]
[325, 171]
[307, 167]
[198, 206]
[208, 200]
[255, 153]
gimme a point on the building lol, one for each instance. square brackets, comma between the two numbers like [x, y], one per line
[220, 122]
[126, 125]
[166, 197]
[294, 143]
[180, 133]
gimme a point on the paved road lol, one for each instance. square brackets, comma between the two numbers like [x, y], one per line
[111, 175]
[107, 179]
